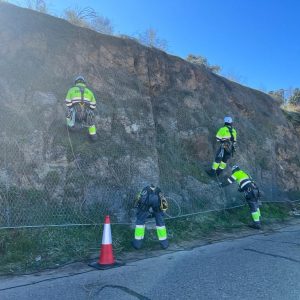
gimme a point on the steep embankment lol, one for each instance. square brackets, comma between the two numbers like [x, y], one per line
[157, 117]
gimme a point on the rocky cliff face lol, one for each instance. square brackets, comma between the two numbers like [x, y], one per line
[157, 116]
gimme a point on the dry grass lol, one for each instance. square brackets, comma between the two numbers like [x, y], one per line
[31, 250]
[291, 107]
[292, 113]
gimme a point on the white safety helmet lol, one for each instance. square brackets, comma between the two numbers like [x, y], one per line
[79, 79]
[235, 168]
[228, 120]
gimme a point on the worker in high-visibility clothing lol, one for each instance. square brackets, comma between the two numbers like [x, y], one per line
[150, 202]
[77, 96]
[250, 190]
[226, 136]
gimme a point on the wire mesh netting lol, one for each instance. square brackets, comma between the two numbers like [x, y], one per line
[156, 120]
[76, 182]
[50, 175]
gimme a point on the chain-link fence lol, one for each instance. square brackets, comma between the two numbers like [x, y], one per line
[156, 120]
[78, 182]
[51, 176]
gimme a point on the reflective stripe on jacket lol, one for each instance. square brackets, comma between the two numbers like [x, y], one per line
[241, 177]
[223, 134]
[75, 95]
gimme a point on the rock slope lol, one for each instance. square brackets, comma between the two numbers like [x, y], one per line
[157, 116]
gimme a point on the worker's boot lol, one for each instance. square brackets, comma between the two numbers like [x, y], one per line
[211, 172]
[255, 225]
[219, 171]
[137, 244]
[164, 244]
[93, 137]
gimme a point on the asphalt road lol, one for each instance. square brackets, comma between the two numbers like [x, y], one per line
[261, 266]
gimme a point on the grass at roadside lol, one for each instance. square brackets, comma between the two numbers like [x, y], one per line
[29, 250]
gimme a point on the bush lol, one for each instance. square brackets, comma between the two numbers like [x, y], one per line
[87, 17]
[202, 61]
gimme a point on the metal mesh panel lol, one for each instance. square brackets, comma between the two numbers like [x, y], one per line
[151, 129]
[89, 180]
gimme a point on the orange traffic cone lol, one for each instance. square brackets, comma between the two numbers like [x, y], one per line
[106, 258]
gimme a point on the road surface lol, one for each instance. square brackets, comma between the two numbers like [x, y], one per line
[265, 266]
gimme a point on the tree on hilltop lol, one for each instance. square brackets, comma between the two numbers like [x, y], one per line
[79, 16]
[202, 61]
[38, 5]
[295, 97]
[87, 17]
[278, 95]
[150, 38]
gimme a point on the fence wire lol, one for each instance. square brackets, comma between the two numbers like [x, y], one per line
[87, 184]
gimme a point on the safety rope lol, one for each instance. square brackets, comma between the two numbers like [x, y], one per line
[222, 192]
[131, 223]
[7, 210]
[76, 162]
[178, 206]
[84, 179]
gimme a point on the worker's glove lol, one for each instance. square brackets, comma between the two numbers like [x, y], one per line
[163, 204]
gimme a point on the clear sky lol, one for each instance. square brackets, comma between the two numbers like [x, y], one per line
[255, 41]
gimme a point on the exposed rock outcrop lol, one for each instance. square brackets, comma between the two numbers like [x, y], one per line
[156, 117]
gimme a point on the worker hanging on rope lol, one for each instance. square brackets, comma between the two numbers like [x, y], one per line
[150, 202]
[81, 103]
[226, 135]
[250, 190]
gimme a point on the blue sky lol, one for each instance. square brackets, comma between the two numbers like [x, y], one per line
[255, 41]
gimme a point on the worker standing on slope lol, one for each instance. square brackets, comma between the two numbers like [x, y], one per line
[226, 135]
[80, 97]
[150, 201]
[250, 190]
